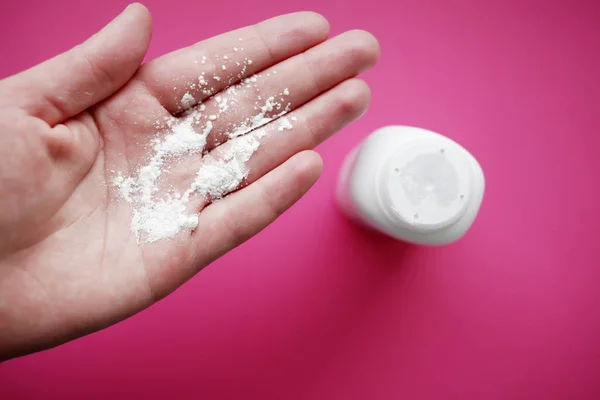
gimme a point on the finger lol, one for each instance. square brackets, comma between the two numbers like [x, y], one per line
[73, 81]
[283, 87]
[225, 59]
[228, 223]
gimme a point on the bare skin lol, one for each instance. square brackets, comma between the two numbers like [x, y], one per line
[69, 263]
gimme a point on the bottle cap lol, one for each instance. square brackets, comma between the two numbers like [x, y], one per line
[426, 184]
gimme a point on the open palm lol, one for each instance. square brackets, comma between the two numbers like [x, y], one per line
[70, 263]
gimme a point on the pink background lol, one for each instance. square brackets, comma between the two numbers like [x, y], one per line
[315, 308]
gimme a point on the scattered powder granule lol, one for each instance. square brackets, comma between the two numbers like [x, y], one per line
[125, 186]
[203, 60]
[224, 68]
[223, 104]
[216, 78]
[187, 101]
[250, 79]
[284, 124]
[259, 119]
[286, 92]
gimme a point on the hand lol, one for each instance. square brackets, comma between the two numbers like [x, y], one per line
[70, 263]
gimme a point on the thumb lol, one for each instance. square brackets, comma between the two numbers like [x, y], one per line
[69, 83]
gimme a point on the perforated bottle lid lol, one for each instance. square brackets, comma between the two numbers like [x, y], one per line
[426, 184]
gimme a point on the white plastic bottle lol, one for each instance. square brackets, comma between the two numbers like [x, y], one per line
[412, 184]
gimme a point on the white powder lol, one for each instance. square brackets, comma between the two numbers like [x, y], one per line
[187, 101]
[259, 119]
[163, 219]
[160, 218]
[223, 104]
[285, 124]
[220, 176]
[157, 216]
[125, 186]
[183, 140]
